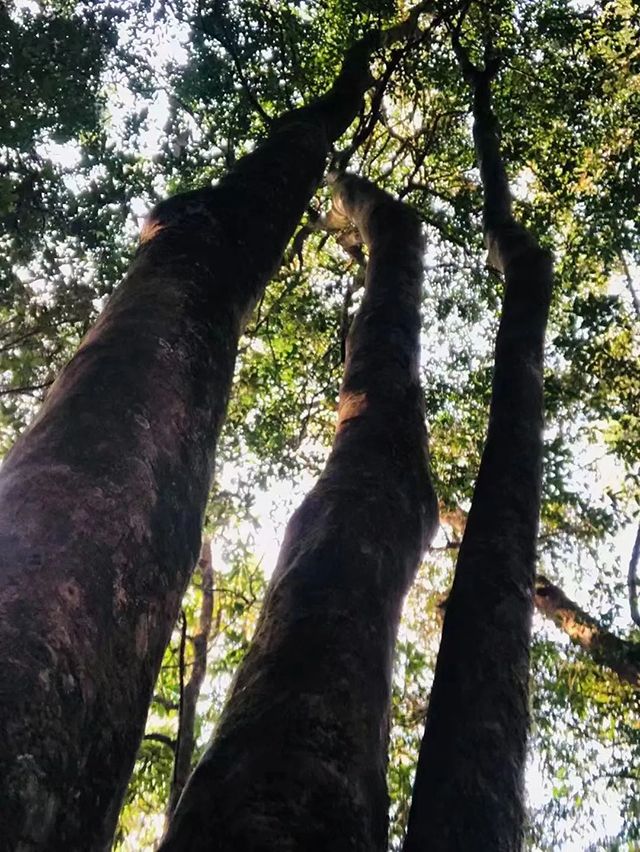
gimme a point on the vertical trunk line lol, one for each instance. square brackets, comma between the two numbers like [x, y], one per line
[185, 740]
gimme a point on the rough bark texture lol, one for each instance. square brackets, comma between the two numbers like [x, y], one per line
[185, 741]
[606, 648]
[101, 501]
[299, 758]
[468, 793]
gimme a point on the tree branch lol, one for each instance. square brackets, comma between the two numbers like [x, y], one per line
[497, 206]
[607, 649]
[181, 664]
[342, 158]
[630, 286]
[164, 702]
[225, 42]
[407, 29]
[161, 738]
[25, 388]
[190, 692]
[632, 579]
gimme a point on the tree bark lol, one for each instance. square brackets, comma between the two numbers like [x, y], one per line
[185, 740]
[102, 499]
[468, 792]
[607, 649]
[299, 758]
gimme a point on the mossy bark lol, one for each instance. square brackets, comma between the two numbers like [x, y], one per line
[468, 793]
[299, 758]
[102, 499]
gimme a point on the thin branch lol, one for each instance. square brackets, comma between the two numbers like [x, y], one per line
[190, 693]
[225, 42]
[630, 286]
[164, 702]
[20, 339]
[25, 388]
[300, 238]
[440, 226]
[181, 655]
[342, 158]
[432, 129]
[161, 738]
[423, 187]
[407, 29]
[633, 579]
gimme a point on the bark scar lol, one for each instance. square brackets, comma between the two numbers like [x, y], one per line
[351, 405]
[150, 229]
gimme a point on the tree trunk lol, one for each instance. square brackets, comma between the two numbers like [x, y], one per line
[468, 792]
[632, 578]
[607, 649]
[299, 758]
[185, 740]
[101, 501]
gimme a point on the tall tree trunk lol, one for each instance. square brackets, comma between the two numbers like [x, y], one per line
[299, 758]
[607, 649]
[101, 501]
[185, 741]
[468, 792]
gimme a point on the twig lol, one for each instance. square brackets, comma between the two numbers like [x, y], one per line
[632, 290]
[183, 643]
[26, 388]
[161, 738]
[633, 579]
[341, 159]
[226, 44]
[164, 702]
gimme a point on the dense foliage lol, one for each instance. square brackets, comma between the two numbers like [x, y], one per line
[106, 109]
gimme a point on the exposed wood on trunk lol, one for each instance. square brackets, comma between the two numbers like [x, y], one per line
[468, 792]
[299, 758]
[186, 732]
[607, 649]
[102, 499]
